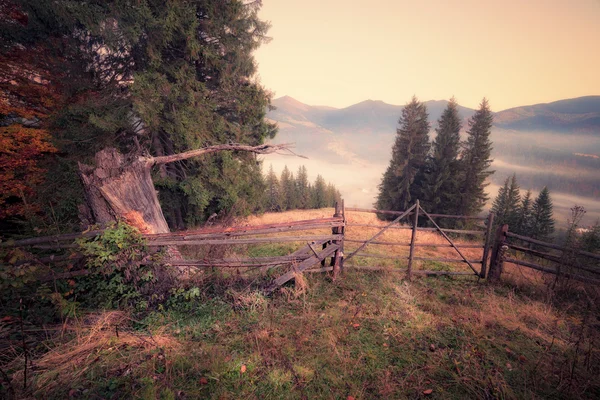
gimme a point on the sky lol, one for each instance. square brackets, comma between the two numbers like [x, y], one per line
[514, 52]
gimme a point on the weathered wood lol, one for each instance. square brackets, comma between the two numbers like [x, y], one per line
[341, 252]
[388, 212]
[554, 272]
[49, 239]
[461, 246]
[394, 270]
[381, 232]
[335, 260]
[301, 267]
[553, 258]
[369, 255]
[496, 261]
[413, 239]
[460, 231]
[488, 241]
[450, 241]
[553, 246]
[234, 241]
[261, 149]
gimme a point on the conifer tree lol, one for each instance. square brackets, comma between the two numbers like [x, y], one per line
[302, 186]
[288, 191]
[506, 203]
[590, 240]
[475, 161]
[543, 221]
[398, 187]
[320, 193]
[273, 197]
[440, 193]
[525, 216]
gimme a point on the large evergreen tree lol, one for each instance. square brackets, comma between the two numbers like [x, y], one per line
[156, 78]
[397, 188]
[319, 197]
[440, 192]
[543, 220]
[475, 161]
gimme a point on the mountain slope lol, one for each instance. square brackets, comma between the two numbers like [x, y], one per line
[572, 115]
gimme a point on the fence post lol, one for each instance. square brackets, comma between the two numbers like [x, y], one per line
[343, 232]
[412, 242]
[336, 258]
[497, 253]
[487, 244]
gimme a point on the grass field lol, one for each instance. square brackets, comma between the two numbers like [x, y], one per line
[367, 335]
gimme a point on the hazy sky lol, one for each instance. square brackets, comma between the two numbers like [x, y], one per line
[515, 52]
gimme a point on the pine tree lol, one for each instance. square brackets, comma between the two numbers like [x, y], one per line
[273, 197]
[440, 194]
[506, 203]
[398, 187]
[543, 221]
[525, 216]
[320, 193]
[475, 161]
[302, 186]
[288, 191]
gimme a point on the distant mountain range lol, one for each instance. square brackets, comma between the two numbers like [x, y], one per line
[581, 114]
[555, 144]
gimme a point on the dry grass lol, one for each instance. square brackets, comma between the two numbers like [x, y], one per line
[101, 336]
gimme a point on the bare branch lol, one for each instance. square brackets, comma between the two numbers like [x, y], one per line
[262, 149]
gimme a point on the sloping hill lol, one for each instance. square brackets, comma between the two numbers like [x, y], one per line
[572, 115]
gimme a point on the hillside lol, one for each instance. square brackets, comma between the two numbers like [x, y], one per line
[369, 335]
[555, 145]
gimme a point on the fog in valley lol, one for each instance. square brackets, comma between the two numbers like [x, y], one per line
[353, 156]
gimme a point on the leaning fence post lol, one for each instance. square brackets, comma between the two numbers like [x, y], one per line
[335, 260]
[412, 242]
[497, 253]
[487, 244]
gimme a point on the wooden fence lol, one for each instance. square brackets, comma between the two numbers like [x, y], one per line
[570, 263]
[316, 249]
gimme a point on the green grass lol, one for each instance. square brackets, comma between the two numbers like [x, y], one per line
[368, 335]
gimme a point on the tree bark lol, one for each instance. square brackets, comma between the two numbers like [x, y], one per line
[120, 187]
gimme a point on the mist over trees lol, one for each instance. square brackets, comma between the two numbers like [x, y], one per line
[449, 179]
[291, 193]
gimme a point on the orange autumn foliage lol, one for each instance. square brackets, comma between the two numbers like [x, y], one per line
[20, 150]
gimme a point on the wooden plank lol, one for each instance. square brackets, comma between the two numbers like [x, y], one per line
[380, 256]
[381, 232]
[460, 231]
[329, 250]
[450, 241]
[252, 232]
[553, 246]
[389, 212]
[554, 272]
[461, 246]
[234, 241]
[488, 243]
[369, 255]
[553, 258]
[395, 270]
[413, 239]
[231, 230]
[49, 239]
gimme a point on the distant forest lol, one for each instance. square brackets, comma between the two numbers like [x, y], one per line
[289, 193]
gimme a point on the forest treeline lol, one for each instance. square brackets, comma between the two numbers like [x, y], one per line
[145, 78]
[289, 193]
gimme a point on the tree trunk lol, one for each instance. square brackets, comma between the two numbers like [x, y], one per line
[120, 187]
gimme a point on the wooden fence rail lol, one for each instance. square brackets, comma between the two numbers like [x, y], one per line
[576, 267]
